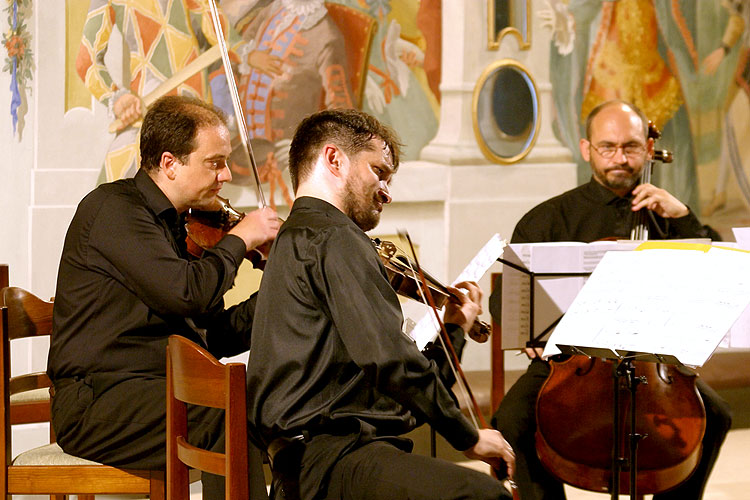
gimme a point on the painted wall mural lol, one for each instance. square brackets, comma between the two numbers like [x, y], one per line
[685, 63]
[19, 60]
[291, 58]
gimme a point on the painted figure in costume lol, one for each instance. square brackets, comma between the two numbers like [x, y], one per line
[162, 37]
[641, 51]
[293, 63]
[736, 33]
[404, 70]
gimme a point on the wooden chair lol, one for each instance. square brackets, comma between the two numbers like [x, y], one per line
[195, 377]
[47, 469]
[3, 279]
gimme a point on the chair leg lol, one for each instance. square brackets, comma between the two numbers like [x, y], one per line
[80, 497]
[158, 486]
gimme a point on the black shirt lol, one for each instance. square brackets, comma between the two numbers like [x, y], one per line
[327, 346]
[126, 283]
[591, 212]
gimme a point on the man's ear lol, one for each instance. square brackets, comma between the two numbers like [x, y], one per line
[584, 146]
[168, 164]
[334, 159]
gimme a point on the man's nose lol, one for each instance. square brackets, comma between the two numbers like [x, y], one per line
[620, 156]
[225, 174]
[384, 192]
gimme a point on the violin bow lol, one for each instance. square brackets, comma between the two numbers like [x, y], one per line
[453, 361]
[473, 407]
[239, 115]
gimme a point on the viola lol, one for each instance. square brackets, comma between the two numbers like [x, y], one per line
[205, 228]
[574, 411]
[402, 277]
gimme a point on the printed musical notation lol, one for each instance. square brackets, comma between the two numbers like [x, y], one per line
[667, 301]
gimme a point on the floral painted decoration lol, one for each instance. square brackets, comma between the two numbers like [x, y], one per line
[18, 62]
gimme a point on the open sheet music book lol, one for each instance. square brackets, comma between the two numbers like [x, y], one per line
[552, 294]
[672, 299]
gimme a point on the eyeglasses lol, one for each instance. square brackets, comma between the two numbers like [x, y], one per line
[608, 151]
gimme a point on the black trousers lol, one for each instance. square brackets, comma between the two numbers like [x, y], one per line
[121, 421]
[380, 470]
[516, 419]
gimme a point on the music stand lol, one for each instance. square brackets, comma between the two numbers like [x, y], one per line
[536, 341]
[644, 306]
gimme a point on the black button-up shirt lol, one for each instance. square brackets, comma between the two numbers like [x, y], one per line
[327, 348]
[126, 283]
[592, 212]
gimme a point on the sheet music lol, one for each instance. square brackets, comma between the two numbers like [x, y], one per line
[552, 295]
[663, 301]
[426, 329]
[742, 236]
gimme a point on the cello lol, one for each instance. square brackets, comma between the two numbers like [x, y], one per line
[581, 428]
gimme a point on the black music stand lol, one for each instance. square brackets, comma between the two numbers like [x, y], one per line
[536, 341]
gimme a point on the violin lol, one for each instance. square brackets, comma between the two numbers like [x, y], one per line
[402, 277]
[205, 228]
[574, 411]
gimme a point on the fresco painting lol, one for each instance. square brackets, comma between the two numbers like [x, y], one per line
[290, 58]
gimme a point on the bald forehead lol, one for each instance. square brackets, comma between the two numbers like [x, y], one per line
[617, 115]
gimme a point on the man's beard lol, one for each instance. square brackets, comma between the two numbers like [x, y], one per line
[618, 183]
[359, 209]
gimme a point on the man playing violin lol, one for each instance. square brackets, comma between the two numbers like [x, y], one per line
[333, 382]
[126, 283]
[618, 148]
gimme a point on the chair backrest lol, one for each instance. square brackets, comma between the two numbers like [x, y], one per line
[195, 377]
[358, 30]
[4, 280]
[27, 316]
[23, 315]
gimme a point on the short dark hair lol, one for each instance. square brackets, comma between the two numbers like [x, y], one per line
[171, 124]
[601, 107]
[349, 129]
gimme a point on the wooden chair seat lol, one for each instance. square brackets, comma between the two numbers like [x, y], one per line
[25, 398]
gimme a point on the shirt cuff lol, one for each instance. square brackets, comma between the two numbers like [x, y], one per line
[457, 336]
[235, 246]
[687, 225]
[464, 437]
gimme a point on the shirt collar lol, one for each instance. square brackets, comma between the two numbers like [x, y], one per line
[153, 195]
[601, 194]
[311, 203]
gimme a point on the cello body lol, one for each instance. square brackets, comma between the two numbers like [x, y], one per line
[575, 408]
